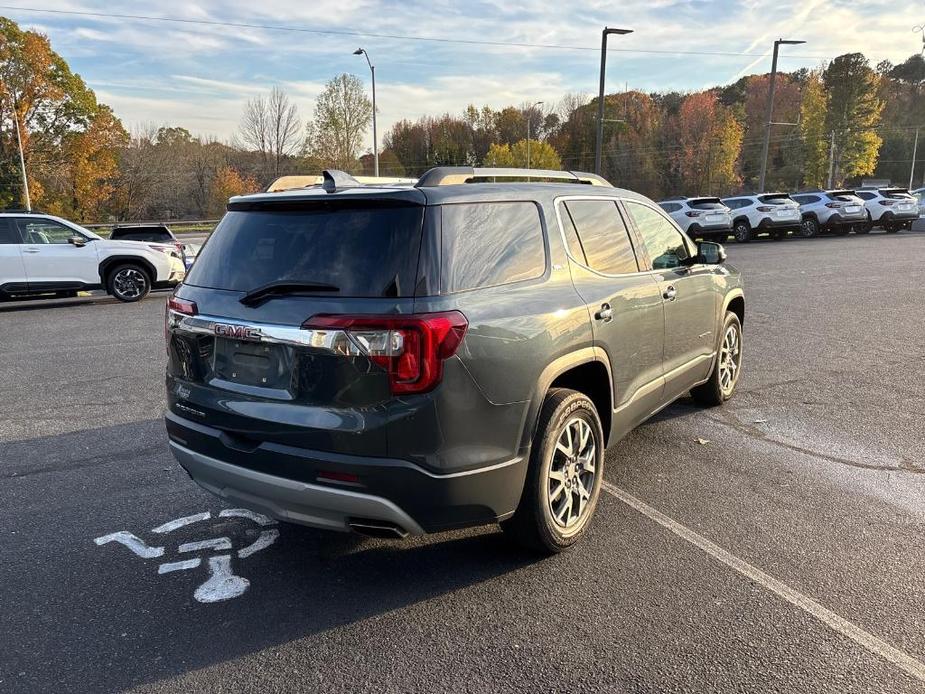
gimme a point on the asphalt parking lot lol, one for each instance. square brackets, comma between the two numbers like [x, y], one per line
[772, 545]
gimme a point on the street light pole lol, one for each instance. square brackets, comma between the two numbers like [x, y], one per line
[600, 96]
[372, 70]
[915, 149]
[538, 103]
[769, 111]
[22, 163]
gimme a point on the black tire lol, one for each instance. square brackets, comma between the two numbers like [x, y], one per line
[742, 231]
[533, 524]
[891, 227]
[779, 234]
[809, 228]
[713, 393]
[128, 282]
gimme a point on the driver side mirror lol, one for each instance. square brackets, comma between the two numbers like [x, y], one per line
[710, 253]
[78, 241]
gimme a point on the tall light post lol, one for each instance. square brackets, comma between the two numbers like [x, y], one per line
[538, 103]
[372, 70]
[769, 111]
[600, 97]
[22, 163]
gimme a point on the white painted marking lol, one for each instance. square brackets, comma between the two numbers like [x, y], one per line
[222, 584]
[170, 526]
[219, 543]
[179, 565]
[136, 544]
[865, 639]
[267, 538]
[258, 518]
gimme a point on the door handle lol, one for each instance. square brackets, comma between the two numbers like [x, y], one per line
[605, 314]
[670, 293]
[30, 250]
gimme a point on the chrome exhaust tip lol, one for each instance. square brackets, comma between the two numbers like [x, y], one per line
[380, 529]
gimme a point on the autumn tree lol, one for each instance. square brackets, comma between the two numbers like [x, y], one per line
[709, 139]
[342, 115]
[229, 182]
[542, 155]
[271, 126]
[65, 133]
[813, 132]
[853, 114]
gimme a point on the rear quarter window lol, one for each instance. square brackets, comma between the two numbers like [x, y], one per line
[8, 232]
[490, 244]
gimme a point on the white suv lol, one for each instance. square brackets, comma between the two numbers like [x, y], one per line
[774, 214]
[700, 218]
[835, 211]
[890, 208]
[41, 254]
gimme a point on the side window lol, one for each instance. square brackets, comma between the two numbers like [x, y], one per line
[866, 196]
[665, 244]
[801, 199]
[8, 232]
[571, 236]
[35, 231]
[669, 207]
[603, 236]
[734, 204]
[487, 244]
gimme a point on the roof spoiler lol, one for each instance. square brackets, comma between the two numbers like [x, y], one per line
[295, 182]
[454, 175]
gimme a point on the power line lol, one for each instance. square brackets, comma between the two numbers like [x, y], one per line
[397, 37]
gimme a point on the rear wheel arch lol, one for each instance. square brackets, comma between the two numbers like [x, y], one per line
[586, 371]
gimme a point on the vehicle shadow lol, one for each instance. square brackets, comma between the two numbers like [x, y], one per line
[44, 302]
[101, 618]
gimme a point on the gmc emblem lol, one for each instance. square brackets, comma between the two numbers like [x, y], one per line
[237, 332]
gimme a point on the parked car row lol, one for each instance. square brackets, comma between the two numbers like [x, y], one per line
[807, 213]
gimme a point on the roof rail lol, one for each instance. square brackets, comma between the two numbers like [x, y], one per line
[453, 175]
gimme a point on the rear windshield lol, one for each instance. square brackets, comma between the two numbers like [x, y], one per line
[364, 251]
[141, 235]
[776, 200]
[706, 204]
[897, 194]
[841, 195]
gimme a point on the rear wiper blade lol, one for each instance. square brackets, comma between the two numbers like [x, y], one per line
[284, 288]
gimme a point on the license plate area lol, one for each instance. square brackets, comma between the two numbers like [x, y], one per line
[252, 364]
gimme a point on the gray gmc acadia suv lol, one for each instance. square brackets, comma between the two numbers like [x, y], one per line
[399, 359]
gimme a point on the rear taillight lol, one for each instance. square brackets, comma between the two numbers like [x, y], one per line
[692, 214]
[887, 202]
[834, 205]
[764, 208]
[411, 348]
[177, 305]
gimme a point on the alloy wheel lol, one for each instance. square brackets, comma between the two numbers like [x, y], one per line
[572, 472]
[730, 359]
[129, 283]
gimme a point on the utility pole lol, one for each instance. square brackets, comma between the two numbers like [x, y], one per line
[915, 149]
[831, 161]
[22, 162]
[529, 112]
[600, 97]
[769, 110]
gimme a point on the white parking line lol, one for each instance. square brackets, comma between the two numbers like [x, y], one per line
[865, 639]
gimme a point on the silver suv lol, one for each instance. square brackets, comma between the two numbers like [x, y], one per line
[834, 211]
[774, 214]
[890, 208]
[700, 218]
[465, 361]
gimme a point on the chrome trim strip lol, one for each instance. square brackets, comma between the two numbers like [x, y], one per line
[647, 388]
[266, 333]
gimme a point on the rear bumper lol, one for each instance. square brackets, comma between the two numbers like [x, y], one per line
[837, 220]
[284, 482]
[770, 223]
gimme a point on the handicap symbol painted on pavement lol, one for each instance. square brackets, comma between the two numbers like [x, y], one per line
[222, 583]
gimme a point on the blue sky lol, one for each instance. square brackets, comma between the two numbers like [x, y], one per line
[199, 76]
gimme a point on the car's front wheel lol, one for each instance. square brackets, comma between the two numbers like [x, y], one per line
[727, 368]
[129, 283]
[564, 478]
